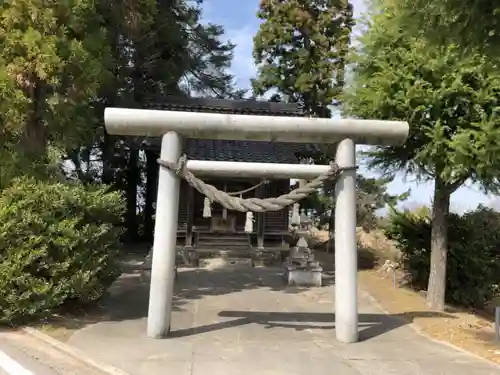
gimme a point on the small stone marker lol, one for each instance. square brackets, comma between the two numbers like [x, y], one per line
[301, 269]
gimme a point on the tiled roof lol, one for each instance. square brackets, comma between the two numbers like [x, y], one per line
[254, 107]
[241, 151]
[244, 151]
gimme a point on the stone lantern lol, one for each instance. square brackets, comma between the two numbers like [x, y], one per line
[301, 268]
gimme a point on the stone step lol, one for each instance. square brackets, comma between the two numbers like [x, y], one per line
[238, 243]
[220, 246]
[225, 262]
[230, 236]
[268, 256]
[232, 252]
[223, 243]
[222, 240]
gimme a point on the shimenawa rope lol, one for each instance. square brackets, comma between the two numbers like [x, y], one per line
[250, 204]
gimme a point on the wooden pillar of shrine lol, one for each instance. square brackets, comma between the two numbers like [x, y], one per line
[133, 176]
[189, 216]
[261, 217]
[151, 182]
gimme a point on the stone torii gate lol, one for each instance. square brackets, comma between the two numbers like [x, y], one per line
[172, 125]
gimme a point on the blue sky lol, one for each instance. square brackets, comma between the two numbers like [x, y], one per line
[241, 24]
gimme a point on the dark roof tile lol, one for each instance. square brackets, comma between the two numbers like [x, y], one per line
[240, 151]
[254, 107]
[244, 151]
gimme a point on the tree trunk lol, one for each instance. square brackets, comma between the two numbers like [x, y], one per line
[330, 248]
[35, 132]
[439, 246]
[132, 182]
[151, 185]
[107, 176]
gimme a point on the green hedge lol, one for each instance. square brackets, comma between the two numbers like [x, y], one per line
[58, 244]
[473, 268]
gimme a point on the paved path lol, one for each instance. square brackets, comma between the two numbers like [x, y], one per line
[243, 321]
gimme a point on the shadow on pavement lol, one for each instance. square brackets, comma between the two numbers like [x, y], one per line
[129, 296]
[372, 325]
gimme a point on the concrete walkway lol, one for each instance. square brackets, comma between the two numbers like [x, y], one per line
[241, 320]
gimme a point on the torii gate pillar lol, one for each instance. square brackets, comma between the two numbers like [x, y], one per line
[346, 251]
[161, 290]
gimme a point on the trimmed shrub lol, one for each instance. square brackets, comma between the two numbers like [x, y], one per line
[58, 244]
[473, 267]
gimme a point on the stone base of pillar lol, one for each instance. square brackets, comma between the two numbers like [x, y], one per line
[301, 269]
[262, 258]
[145, 268]
[190, 256]
[303, 276]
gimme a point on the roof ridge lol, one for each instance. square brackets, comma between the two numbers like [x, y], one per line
[209, 105]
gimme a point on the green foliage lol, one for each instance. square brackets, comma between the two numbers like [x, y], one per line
[372, 195]
[449, 98]
[167, 50]
[473, 257]
[53, 61]
[300, 51]
[63, 62]
[469, 23]
[58, 244]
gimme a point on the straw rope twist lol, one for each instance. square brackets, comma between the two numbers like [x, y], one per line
[250, 204]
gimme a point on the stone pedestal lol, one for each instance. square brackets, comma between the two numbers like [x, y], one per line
[303, 276]
[266, 258]
[190, 256]
[301, 269]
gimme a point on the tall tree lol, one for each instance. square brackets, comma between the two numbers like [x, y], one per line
[300, 51]
[372, 195]
[63, 62]
[450, 100]
[469, 23]
[54, 56]
[160, 48]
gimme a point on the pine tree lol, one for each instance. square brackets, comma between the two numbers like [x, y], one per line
[53, 61]
[160, 48]
[449, 98]
[300, 51]
[469, 23]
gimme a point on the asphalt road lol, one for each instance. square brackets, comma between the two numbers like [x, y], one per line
[22, 353]
[15, 361]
